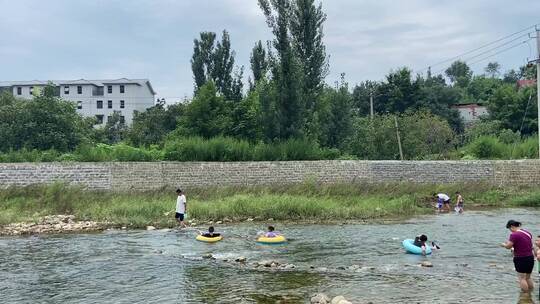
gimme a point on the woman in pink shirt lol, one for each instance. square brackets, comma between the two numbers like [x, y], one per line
[521, 241]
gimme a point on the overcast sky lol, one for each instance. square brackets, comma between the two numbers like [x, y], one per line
[365, 39]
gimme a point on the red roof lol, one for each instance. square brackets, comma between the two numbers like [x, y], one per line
[526, 83]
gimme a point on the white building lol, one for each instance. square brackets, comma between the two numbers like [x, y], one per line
[94, 98]
[471, 112]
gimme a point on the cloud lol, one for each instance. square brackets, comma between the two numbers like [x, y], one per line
[153, 38]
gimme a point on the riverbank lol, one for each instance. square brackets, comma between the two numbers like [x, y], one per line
[302, 202]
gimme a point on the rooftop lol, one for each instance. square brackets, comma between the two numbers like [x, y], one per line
[98, 83]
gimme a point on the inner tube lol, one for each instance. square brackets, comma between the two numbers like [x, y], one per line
[408, 244]
[280, 239]
[209, 239]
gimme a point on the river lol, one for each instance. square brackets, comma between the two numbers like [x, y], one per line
[159, 266]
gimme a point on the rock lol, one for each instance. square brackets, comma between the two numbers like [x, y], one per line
[289, 266]
[340, 268]
[150, 228]
[249, 219]
[240, 259]
[123, 228]
[426, 264]
[322, 269]
[227, 220]
[210, 222]
[337, 300]
[320, 298]
[208, 256]
[270, 219]
[354, 267]
[219, 222]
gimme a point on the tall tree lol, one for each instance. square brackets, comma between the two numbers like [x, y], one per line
[151, 126]
[223, 64]
[203, 58]
[285, 69]
[259, 63]
[459, 73]
[493, 69]
[341, 116]
[306, 26]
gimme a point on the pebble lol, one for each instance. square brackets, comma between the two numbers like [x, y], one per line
[426, 264]
[219, 222]
[241, 259]
[51, 224]
[150, 228]
[249, 220]
[208, 256]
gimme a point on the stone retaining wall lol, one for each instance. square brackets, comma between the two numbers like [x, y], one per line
[146, 176]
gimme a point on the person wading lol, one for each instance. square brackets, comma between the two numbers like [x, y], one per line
[521, 241]
[181, 208]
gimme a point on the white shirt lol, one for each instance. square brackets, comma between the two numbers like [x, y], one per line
[181, 204]
[443, 196]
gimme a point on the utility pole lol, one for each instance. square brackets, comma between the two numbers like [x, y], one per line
[371, 103]
[398, 138]
[538, 83]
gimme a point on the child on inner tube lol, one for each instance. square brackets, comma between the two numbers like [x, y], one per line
[271, 233]
[420, 241]
[210, 233]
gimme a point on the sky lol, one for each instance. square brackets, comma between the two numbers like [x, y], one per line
[365, 39]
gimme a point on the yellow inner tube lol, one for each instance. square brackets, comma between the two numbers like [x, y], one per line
[209, 239]
[272, 240]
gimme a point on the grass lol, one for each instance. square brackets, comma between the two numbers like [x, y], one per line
[306, 201]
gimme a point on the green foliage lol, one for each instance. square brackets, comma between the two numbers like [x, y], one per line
[492, 147]
[422, 135]
[206, 115]
[44, 122]
[514, 108]
[259, 63]
[151, 126]
[459, 73]
[486, 147]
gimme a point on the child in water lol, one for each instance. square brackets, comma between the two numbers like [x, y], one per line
[459, 203]
[210, 233]
[420, 241]
[271, 233]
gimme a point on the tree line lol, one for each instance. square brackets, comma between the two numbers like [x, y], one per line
[287, 99]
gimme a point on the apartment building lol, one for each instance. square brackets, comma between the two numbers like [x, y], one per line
[94, 98]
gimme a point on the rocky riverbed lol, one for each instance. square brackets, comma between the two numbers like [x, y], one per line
[52, 224]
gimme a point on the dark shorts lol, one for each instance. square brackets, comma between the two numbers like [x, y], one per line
[446, 202]
[524, 264]
[179, 216]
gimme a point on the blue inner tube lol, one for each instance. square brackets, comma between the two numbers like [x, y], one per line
[408, 244]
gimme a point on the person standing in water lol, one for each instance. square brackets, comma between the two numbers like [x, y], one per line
[443, 201]
[459, 202]
[521, 240]
[181, 208]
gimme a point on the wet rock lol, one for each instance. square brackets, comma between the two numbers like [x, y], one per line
[150, 228]
[240, 259]
[341, 268]
[249, 220]
[123, 228]
[337, 299]
[320, 298]
[354, 267]
[208, 256]
[288, 266]
[219, 222]
[227, 220]
[271, 219]
[426, 264]
[322, 269]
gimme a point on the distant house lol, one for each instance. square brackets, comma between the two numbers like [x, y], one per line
[523, 83]
[470, 112]
[93, 98]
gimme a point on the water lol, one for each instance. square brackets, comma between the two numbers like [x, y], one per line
[165, 267]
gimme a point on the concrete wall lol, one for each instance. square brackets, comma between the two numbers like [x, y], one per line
[147, 176]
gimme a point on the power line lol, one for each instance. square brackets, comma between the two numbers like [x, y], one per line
[478, 48]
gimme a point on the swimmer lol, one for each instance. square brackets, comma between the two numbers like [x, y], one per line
[210, 233]
[420, 241]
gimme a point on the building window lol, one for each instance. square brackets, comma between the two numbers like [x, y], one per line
[122, 119]
[122, 104]
[79, 105]
[79, 89]
[109, 89]
[100, 104]
[99, 119]
[19, 91]
[66, 90]
[109, 104]
[122, 89]
[31, 90]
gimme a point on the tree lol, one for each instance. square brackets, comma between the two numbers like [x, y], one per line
[151, 126]
[527, 71]
[115, 129]
[202, 59]
[43, 122]
[493, 69]
[513, 107]
[511, 77]
[360, 97]
[306, 27]
[340, 122]
[214, 62]
[399, 93]
[246, 118]
[206, 115]
[285, 67]
[459, 73]
[259, 63]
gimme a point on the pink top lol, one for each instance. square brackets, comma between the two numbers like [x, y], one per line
[522, 240]
[271, 234]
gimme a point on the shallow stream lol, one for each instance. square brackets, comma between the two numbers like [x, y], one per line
[166, 266]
